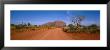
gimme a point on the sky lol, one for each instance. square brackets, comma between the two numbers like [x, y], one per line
[39, 17]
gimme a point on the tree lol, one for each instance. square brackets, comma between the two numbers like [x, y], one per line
[77, 22]
[29, 24]
[93, 25]
[35, 25]
[12, 24]
[71, 26]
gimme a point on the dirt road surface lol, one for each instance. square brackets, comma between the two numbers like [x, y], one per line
[52, 34]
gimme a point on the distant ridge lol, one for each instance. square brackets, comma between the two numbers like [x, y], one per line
[55, 23]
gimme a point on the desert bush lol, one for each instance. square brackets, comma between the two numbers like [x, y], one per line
[13, 27]
[19, 27]
[70, 28]
[83, 29]
[94, 28]
[65, 29]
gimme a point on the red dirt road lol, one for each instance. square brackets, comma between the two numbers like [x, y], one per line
[53, 34]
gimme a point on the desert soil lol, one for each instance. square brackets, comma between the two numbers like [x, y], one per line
[53, 34]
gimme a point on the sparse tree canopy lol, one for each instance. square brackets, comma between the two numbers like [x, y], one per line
[28, 24]
[77, 20]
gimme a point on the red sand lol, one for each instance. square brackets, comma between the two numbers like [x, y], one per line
[53, 34]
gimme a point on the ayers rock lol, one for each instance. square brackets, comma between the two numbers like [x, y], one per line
[56, 24]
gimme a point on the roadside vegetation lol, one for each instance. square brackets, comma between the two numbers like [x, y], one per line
[29, 27]
[76, 26]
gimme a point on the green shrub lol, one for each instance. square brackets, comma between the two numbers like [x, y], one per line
[92, 30]
[84, 29]
[65, 29]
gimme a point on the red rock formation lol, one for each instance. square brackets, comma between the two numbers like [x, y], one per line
[56, 24]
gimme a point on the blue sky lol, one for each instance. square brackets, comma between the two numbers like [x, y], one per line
[38, 17]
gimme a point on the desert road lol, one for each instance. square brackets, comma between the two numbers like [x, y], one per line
[52, 34]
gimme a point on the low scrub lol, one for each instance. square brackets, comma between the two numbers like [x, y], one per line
[22, 28]
[83, 29]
